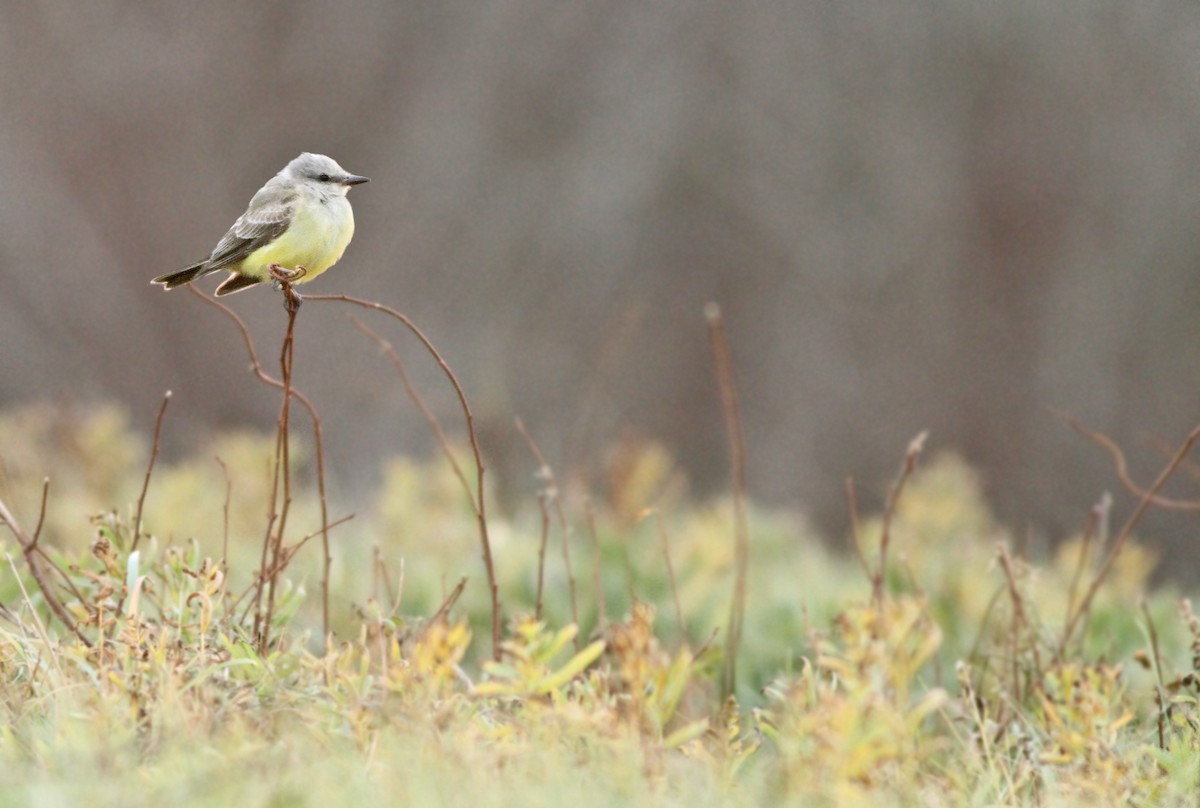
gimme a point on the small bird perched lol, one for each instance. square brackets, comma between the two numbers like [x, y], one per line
[296, 227]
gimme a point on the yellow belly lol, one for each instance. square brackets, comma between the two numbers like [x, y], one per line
[315, 240]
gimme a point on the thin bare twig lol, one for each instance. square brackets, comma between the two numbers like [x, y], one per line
[1122, 468]
[1020, 622]
[273, 543]
[29, 548]
[288, 554]
[449, 602]
[915, 447]
[257, 369]
[1188, 467]
[137, 520]
[439, 434]
[291, 550]
[66, 579]
[37, 531]
[1148, 498]
[553, 493]
[737, 459]
[480, 503]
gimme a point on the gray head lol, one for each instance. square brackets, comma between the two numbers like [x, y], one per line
[329, 176]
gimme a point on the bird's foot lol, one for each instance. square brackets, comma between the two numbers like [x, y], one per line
[281, 274]
[282, 279]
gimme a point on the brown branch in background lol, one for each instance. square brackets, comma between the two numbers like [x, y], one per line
[449, 602]
[915, 447]
[319, 443]
[1122, 469]
[1148, 498]
[855, 533]
[1019, 623]
[553, 493]
[29, 548]
[1188, 467]
[289, 552]
[737, 458]
[386, 348]
[66, 579]
[282, 476]
[37, 531]
[137, 519]
[479, 503]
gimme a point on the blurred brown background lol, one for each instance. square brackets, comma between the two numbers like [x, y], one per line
[945, 215]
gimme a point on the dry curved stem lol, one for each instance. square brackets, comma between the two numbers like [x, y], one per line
[439, 434]
[477, 501]
[257, 369]
[1122, 468]
[30, 549]
[1148, 498]
[723, 362]
[273, 541]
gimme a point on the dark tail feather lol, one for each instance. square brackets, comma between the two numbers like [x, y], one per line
[173, 279]
[236, 283]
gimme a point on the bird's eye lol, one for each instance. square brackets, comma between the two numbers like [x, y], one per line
[324, 178]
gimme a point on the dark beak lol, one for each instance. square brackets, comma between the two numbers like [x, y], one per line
[354, 179]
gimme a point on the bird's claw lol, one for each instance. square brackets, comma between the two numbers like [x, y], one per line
[281, 274]
[282, 278]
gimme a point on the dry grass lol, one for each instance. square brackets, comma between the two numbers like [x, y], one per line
[170, 652]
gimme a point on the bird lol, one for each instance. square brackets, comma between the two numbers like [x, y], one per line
[296, 227]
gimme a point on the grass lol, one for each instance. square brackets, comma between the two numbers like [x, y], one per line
[931, 665]
[943, 691]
